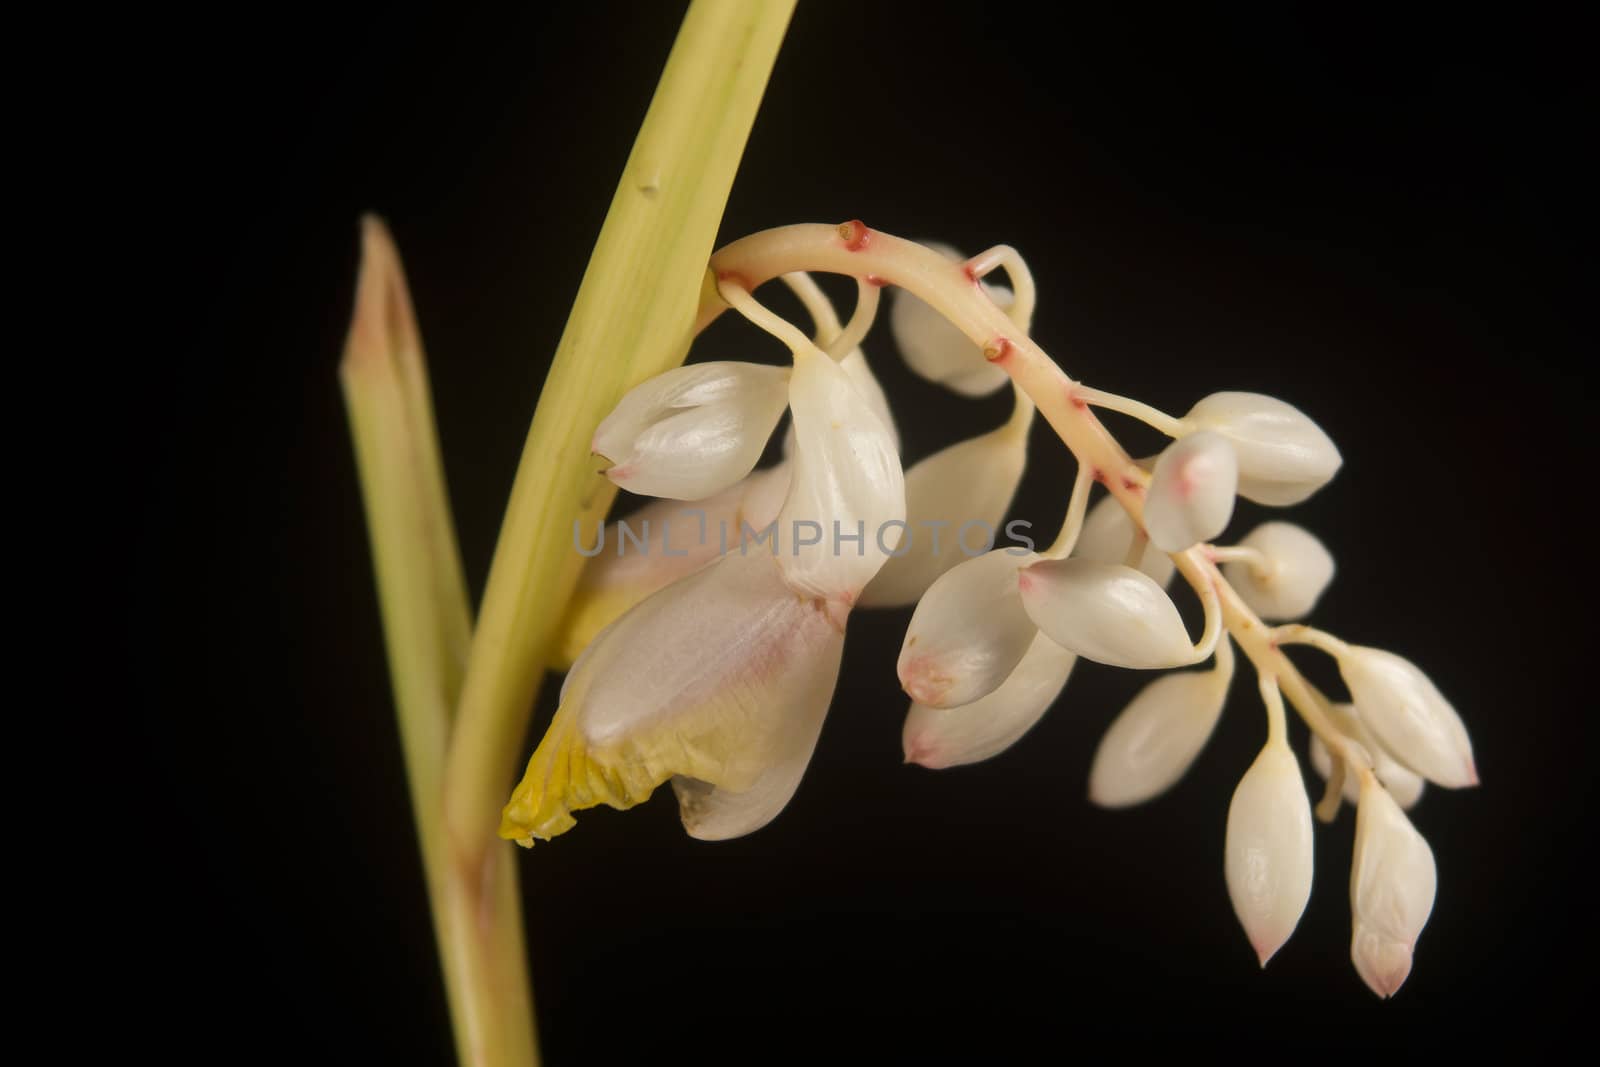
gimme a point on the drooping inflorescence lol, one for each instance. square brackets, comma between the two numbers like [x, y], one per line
[707, 641]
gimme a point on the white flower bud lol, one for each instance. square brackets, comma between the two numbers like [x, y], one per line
[1105, 612]
[1296, 571]
[1107, 536]
[1268, 853]
[968, 633]
[935, 349]
[971, 482]
[1392, 885]
[949, 737]
[694, 431]
[1410, 718]
[860, 374]
[1404, 785]
[1156, 737]
[1284, 457]
[848, 490]
[1191, 493]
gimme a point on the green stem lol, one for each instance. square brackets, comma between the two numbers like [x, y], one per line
[634, 317]
[427, 628]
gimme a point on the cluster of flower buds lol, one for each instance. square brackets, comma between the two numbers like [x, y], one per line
[711, 661]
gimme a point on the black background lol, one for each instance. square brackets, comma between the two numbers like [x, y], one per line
[1365, 217]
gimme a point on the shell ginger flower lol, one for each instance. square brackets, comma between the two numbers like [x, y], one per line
[719, 681]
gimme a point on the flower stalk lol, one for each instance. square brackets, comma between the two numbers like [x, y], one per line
[853, 249]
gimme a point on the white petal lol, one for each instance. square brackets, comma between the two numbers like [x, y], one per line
[1284, 457]
[861, 376]
[1156, 738]
[968, 633]
[714, 814]
[1191, 493]
[971, 482]
[1392, 885]
[848, 488]
[643, 552]
[694, 431]
[949, 737]
[1404, 785]
[1269, 849]
[935, 349]
[1105, 612]
[721, 676]
[1298, 568]
[1108, 535]
[1410, 717]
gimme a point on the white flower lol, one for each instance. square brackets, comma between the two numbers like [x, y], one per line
[1283, 456]
[848, 487]
[1295, 571]
[968, 633]
[694, 431]
[1410, 718]
[722, 677]
[964, 488]
[949, 737]
[1159, 734]
[1392, 884]
[1268, 852]
[936, 349]
[1105, 612]
[1191, 493]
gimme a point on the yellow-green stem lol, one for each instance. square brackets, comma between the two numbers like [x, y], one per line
[427, 629]
[463, 698]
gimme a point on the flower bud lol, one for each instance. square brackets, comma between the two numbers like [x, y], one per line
[848, 491]
[1156, 737]
[860, 374]
[935, 349]
[723, 677]
[1410, 719]
[1392, 884]
[1105, 612]
[1283, 456]
[1296, 570]
[1107, 536]
[1191, 493]
[1268, 851]
[949, 737]
[965, 488]
[1404, 785]
[693, 431]
[968, 633]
